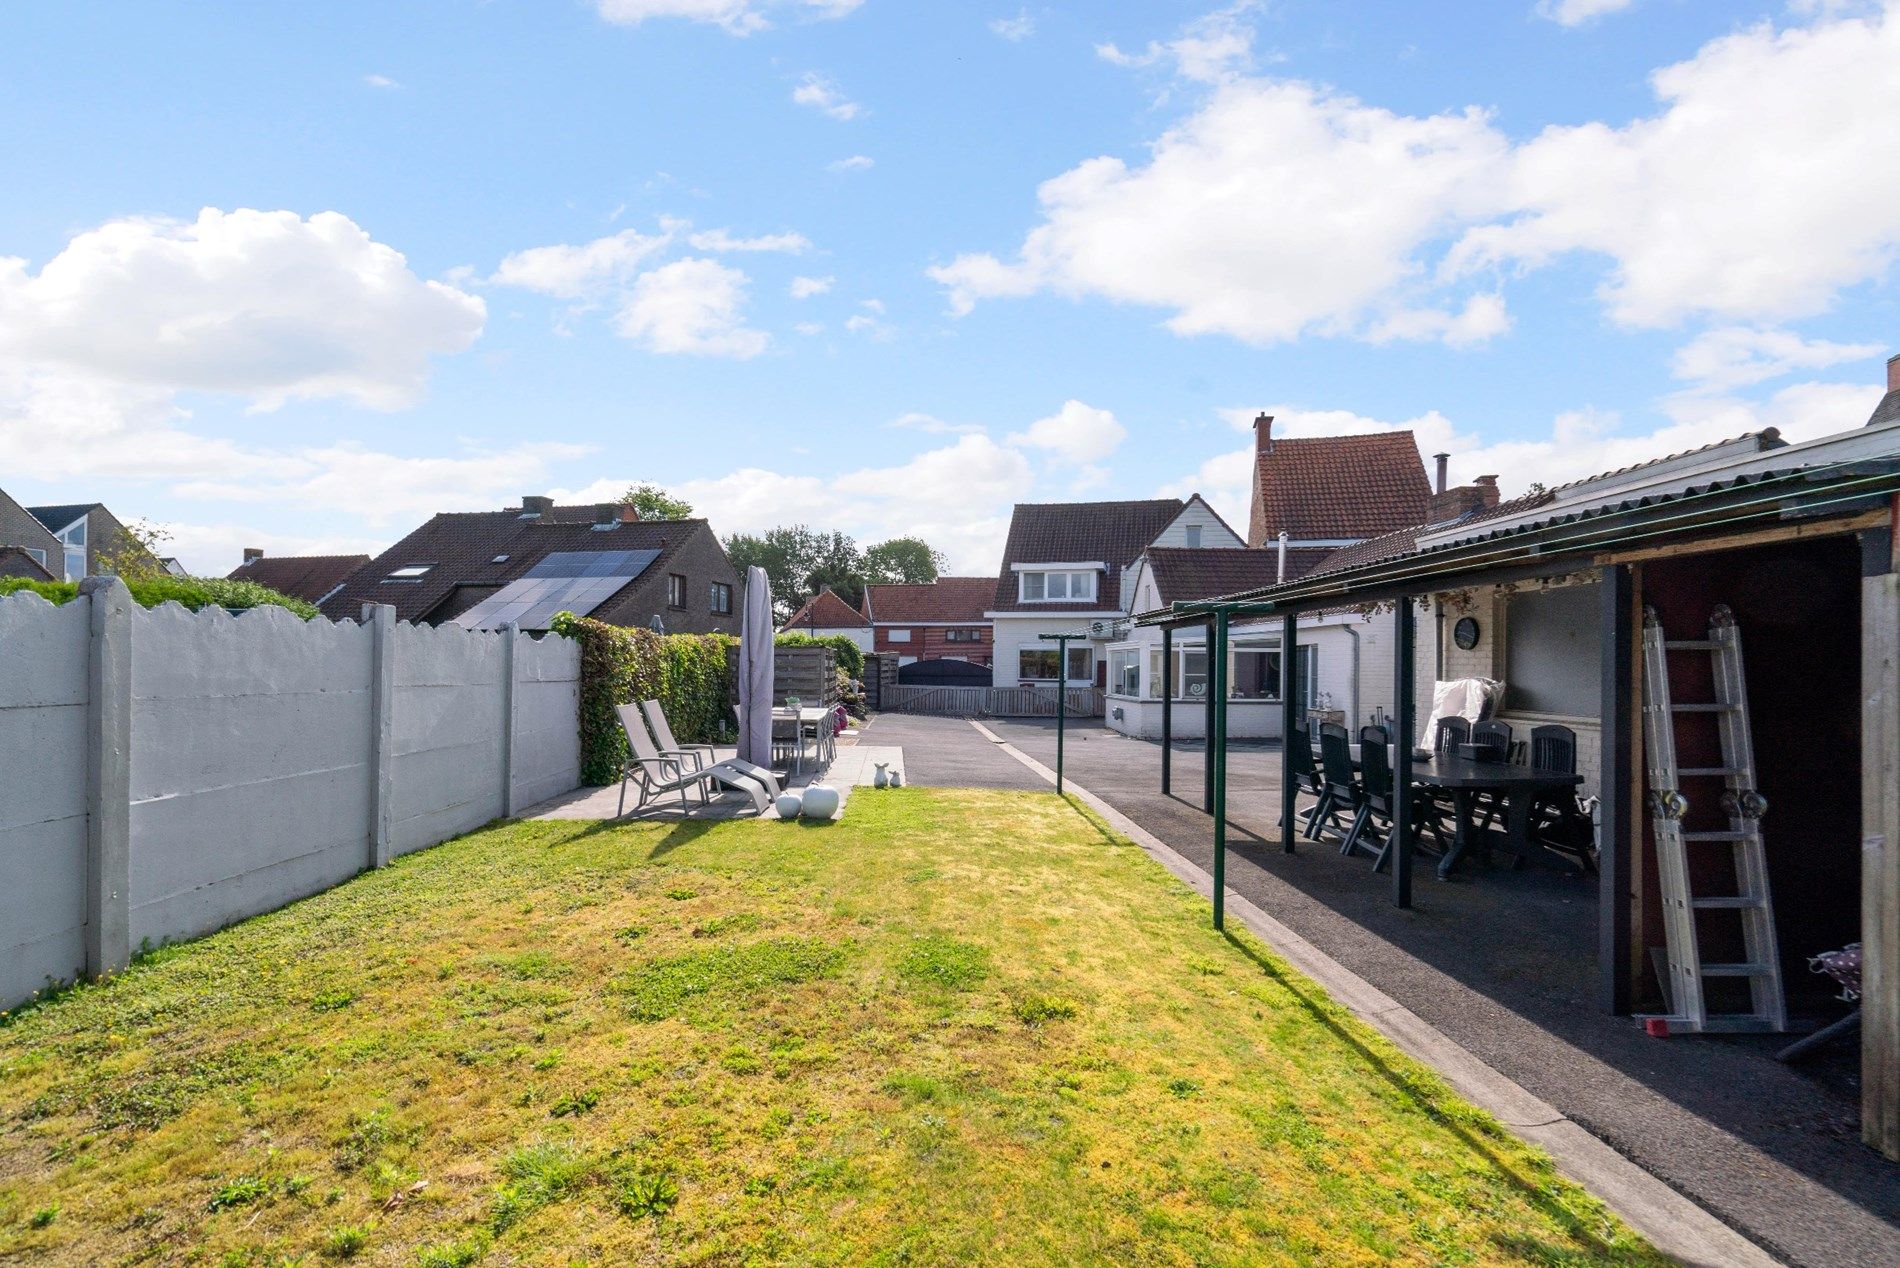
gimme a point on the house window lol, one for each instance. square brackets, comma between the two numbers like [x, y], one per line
[675, 590]
[73, 539]
[1081, 664]
[899, 636]
[721, 599]
[409, 572]
[1194, 536]
[1124, 671]
[1049, 587]
[963, 636]
[1037, 664]
[39, 556]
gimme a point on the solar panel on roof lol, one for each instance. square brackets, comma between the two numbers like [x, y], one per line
[576, 581]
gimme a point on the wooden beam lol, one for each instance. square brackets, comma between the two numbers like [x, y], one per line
[1796, 530]
[1880, 862]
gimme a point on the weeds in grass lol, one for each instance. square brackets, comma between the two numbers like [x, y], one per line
[332, 1001]
[457, 1254]
[1183, 1087]
[371, 1136]
[944, 962]
[44, 1217]
[537, 1175]
[662, 989]
[647, 1196]
[346, 1241]
[680, 895]
[737, 922]
[249, 1190]
[568, 1104]
[1038, 1010]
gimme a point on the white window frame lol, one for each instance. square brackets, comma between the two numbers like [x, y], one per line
[898, 636]
[1193, 534]
[1043, 583]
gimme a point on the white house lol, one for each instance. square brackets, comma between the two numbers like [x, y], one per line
[1066, 567]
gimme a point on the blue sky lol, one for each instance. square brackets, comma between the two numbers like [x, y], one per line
[297, 276]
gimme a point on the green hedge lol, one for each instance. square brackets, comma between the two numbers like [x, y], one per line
[193, 592]
[850, 655]
[686, 673]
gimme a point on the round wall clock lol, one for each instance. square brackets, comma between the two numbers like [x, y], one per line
[1465, 633]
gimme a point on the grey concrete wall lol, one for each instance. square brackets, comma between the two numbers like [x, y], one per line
[43, 706]
[254, 763]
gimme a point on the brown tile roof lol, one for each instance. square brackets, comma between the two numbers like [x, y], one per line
[946, 600]
[15, 562]
[826, 611]
[1319, 487]
[306, 577]
[463, 548]
[1182, 573]
[1078, 532]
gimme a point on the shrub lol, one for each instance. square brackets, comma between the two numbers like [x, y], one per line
[850, 655]
[686, 673]
[193, 592]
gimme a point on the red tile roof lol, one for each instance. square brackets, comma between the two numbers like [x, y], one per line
[1328, 487]
[1080, 532]
[826, 611]
[945, 600]
[306, 577]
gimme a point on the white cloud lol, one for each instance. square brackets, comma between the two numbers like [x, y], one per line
[1276, 209]
[1737, 356]
[824, 95]
[1767, 181]
[380, 81]
[865, 324]
[809, 328]
[691, 306]
[856, 163]
[1578, 12]
[738, 17]
[1077, 433]
[573, 272]
[1212, 48]
[722, 240]
[262, 305]
[932, 424]
[872, 305]
[806, 287]
[1015, 29]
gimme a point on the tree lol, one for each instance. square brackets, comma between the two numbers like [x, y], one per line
[837, 562]
[786, 555]
[655, 503]
[902, 559]
[133, 554]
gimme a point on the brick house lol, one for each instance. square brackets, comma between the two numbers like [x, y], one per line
[825, 615]
[30, 542]
[85, 536]
[484, 569]
[312, 578]
[942, 620]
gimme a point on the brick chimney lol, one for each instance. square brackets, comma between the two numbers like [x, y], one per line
[1893, 373]
[629, 513]
[1263, 433]
[532, 504]
[1467, 499]
[252, 554]
[607, 515]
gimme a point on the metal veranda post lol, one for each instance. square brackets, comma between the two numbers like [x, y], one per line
[1207, 719]
[1405, 726]
[1167, 710]
[1217, 762]
[1062, 703]
[1289, 716]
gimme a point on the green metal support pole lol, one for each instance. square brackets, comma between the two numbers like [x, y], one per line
[1167, 710]
[1290, 685]
[1207, 720]
[1217, 761]
[1062, 703]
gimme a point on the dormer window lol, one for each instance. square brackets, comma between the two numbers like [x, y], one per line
[1053, 586]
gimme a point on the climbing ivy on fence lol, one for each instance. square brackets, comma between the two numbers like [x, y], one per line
[686, 673]
[850, 655]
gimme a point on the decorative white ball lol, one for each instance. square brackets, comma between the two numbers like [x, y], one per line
[821, 801]
[789, 805]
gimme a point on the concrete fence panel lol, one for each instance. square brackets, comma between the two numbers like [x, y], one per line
[43, 710]
[166, 773]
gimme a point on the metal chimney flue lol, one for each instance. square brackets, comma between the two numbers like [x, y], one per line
[1280, 574]
[1444, 463]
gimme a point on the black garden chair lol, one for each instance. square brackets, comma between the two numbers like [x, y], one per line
[1559, 822]
[1377, 803]
[1339, 789]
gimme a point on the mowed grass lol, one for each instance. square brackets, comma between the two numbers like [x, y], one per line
[955, 1027]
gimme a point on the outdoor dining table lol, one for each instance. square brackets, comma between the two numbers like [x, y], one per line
[1464, 778]
[804, 716]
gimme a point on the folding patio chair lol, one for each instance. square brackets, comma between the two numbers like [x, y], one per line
[1339, 790]
[1379, 799]
[1559, 822]
[659, 775]
[702, 754]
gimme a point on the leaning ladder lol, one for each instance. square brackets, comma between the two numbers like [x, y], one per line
[1745, 806]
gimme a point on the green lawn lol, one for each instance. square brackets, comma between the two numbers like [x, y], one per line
[955, 1027]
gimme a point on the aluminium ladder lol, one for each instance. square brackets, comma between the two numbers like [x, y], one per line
[1761, 964]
